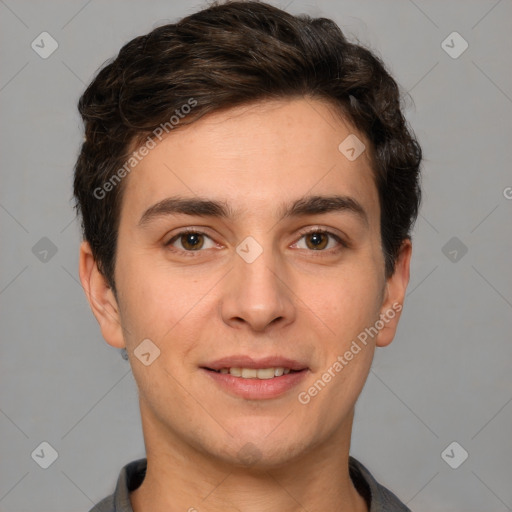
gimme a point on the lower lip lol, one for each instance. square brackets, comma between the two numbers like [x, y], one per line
[257, 389]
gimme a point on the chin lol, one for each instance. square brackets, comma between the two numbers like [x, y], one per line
[261, 450]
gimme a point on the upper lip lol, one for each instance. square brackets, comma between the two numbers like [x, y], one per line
[244, 361]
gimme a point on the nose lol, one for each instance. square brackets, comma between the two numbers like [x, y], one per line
[256, 294]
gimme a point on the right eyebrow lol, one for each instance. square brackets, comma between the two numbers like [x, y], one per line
[186, 206]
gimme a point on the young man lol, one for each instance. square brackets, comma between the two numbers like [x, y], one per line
[247, 186]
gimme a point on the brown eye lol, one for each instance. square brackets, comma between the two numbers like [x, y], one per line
[317, 240]
[321, 241]
[190, 241]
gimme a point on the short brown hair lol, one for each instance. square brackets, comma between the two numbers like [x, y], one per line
[230, 54]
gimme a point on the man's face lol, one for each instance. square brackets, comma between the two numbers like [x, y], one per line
[253, 288]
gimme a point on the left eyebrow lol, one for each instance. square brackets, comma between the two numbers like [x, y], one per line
[309, 205]
[314, 205]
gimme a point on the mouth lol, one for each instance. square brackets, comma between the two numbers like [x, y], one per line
[255, 373]
[266, 378]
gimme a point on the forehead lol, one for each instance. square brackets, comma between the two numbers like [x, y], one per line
[256, 158]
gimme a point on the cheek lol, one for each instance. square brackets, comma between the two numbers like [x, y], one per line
[156, 303]
[348, 302]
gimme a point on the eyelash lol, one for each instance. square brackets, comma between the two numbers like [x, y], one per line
[302, 233]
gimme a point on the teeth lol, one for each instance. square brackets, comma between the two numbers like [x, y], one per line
[256, 373]
[250, 373]
[236, 372]
[267, 373]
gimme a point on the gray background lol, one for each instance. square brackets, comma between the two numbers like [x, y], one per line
[445, 378]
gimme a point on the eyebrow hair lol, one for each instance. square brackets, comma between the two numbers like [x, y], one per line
[308, 205]
[311, 205]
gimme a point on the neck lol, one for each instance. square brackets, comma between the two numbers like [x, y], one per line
[182, 478]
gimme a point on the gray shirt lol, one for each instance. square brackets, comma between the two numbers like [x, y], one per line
[378, 498]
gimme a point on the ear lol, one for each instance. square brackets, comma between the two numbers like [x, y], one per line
[394, 295]
[101, 298]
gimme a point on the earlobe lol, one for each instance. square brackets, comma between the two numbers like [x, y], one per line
[396, 287]
[101, 298]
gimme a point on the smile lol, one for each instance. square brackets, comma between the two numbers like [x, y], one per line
[255, 373]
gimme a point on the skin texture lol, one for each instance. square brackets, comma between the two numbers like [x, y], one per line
[293, 301]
